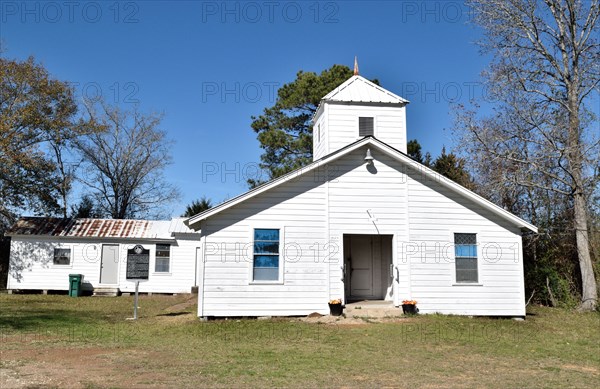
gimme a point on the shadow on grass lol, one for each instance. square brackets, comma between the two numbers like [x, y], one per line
[28, 320]
[175, 314]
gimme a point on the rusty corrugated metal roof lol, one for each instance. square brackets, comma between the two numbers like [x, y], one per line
[97, 228]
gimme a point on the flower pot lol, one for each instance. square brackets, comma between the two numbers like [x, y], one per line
[336, 309]
[410, 309]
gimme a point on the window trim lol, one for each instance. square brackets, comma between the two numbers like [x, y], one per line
[63, 247]
[166, 273]
[250, 251]
[478, 251]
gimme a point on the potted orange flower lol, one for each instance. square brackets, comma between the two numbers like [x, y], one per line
[335, 307]
[409, 307]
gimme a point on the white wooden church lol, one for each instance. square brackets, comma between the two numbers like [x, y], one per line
[363, 221]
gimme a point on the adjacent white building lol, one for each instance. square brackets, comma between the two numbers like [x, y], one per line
[44, 251]
[362, 222]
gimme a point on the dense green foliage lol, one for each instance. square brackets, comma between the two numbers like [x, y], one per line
[447, 164]
[413, 149]
[453, 167]
[37, 113]
[86, 208]
[197, 206]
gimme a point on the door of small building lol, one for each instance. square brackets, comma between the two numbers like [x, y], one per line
[367, 261]
[109, 266]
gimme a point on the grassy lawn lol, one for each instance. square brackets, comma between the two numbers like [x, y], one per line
[57, 341]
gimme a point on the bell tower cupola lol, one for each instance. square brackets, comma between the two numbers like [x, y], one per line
[355, 109]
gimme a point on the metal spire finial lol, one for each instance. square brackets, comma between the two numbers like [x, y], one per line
[355, 66]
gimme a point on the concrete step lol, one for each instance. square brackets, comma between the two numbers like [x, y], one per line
[106, 291]
[373, 309]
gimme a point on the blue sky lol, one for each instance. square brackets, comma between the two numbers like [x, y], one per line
[209, 66]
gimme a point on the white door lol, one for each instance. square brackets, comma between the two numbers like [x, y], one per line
[109, 266]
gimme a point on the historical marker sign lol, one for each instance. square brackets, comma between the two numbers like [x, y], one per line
[138, 263]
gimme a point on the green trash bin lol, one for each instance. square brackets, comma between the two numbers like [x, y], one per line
[75, 284]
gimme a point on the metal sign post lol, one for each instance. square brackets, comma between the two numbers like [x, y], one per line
[135, 300]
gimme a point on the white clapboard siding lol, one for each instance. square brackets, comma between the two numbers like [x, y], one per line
[181, 275]
[31, 266]
[297, 208]
[435, 214]
[342, 125]
[31, 263]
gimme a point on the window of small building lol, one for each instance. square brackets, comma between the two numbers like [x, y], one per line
[62, 256]
[163, 258]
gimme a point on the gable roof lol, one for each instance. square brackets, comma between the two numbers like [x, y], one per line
[394, 153]
[358, 89]
[96, 228]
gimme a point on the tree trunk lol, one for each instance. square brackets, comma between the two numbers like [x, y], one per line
[589, 295]
[589, 292]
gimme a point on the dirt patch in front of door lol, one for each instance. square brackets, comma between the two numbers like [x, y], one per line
[354, 320]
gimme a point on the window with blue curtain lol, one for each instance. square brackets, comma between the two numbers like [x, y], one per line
[266, 254]
[465, 253]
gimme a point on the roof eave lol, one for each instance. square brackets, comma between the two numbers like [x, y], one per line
[362, 102]
[319, 109]
[457, 187]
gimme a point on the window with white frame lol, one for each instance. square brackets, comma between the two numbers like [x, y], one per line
[266, 255]
[163, 258]
[465, 257]
[62, 256]
[366, 126]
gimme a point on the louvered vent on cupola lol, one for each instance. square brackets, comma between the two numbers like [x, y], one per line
[365, 126]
